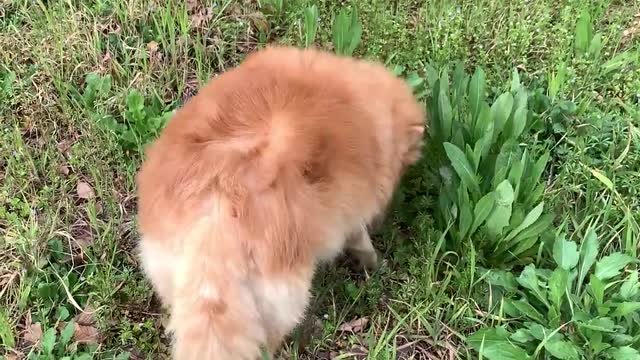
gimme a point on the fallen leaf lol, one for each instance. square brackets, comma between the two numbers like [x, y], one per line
[201, 18]
[84, 334]
[152, 46]
[192, 5]
[355, 326]
[33, 334]
[64, 146]
[84, 190]
[63, 169]
[14, 355]
[87, 317]
[259, 21]
[632, 31]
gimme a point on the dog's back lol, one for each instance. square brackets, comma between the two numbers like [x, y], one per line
[255, 180]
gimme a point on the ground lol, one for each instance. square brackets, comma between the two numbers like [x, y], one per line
[85, 84]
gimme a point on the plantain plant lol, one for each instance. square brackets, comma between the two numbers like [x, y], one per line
[491, 188]
[347, 32]
[558, 314]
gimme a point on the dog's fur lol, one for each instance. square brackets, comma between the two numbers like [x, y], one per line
[273, 167]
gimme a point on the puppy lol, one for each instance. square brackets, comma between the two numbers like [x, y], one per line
[272, 168]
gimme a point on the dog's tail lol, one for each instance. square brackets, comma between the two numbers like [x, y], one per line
[213, 313]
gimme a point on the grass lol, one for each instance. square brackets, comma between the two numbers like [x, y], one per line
[85, 84]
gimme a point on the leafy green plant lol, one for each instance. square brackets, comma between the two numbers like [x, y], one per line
[310, 25]
[562, 316]
[56, 345]
[491, 192]
[96, 86]
[143, 121]
[585, 42]
[347, 32]
[7, 80]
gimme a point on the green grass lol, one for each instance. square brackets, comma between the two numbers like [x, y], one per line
[85, 84]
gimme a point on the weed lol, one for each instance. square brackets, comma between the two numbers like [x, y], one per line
[561, 316]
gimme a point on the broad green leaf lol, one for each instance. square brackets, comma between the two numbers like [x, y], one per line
[539, 166]
[471, 157]
[522, 336]
[543, 223]
[493, 343]
[537, 331]
[488, 337]
[508, 154]
[466, 216]
[597, 289]
[483, 122]
[462, 167]
[444, 80]
[529, 279]
[515, 176]
[49, 340]
[627, 308]
[529, 220]
[535, 195]
[565, 253]
[445, 113]
[67, 333]
[483, 145]
[355, 33]
[602, 178]
[505, 351]
[310, 25]
[564, 350]
[595, 46]
[518, 122]
[524, 308]
[624, 353]
[620, 61]
[515, 80]
[7, 337]
[432, 76]
[501, 213]
[476, 92]
[610, 266]
[558, 286]
[520, 99]
[603, 324]
[503, 279]
[521, 246]
[460, 84]
[630, 287]
[482, 210]
[583, 33]
[588, 254]
[500, 112]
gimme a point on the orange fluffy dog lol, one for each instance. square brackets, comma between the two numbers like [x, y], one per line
[274, 167]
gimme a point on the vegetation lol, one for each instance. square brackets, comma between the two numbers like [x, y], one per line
[516, 236]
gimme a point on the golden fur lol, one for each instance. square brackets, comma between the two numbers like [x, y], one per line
[273, 167]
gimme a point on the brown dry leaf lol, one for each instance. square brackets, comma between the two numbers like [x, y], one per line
[192, 5]
[84, 334]
[33, 334]
[259, 21]
[632, 31]
[87, 317]
[64, 146]
[355, 326]
[63, 169]
[14, 356]
[201, 18]
[84, 190]
[152, 46]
